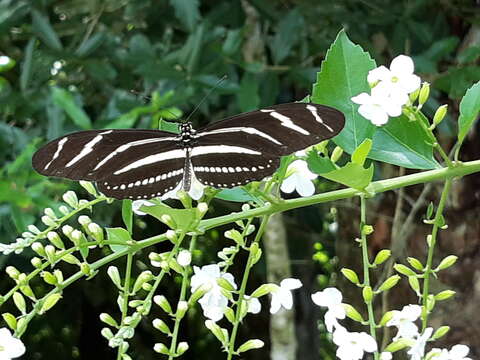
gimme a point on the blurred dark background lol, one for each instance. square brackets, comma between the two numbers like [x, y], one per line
[127, 63]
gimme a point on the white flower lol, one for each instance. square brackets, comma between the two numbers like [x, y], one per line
[137, 204]
[404, 321]
[352, 345]
[417, 350]
[386, 355]
[399, 80]
[10, 347]
[282, 295]
[213, 303]
[457, 352]
[195, 191]
[331, 298]
[300, 179]
[184, 258]
[378, 106]
[254, 306]
[4, 60]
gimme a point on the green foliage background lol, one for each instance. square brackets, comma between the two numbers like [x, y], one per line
[83, 64]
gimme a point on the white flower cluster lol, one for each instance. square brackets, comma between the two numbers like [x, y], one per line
[390, 90]
[352, 345]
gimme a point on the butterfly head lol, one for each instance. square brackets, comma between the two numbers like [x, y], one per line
[187, 133]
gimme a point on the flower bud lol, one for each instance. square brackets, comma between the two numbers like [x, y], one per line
[27, 291]
[71, 259]
[12, 272]
[414, 284]
[50, 302]
[250, 345]
[440, 332]
[114, 275]
[10, 320]
[19, 302]
[162, 301]
[352, 313]
[48, 221]
[245, 207]
[172, 236]
[415, 263]
[202, 209]
[144, 277]
[89, 187]
[162, 326]
[58, 275]
[50, 252]
[106, 333]
[336, 154]
[402, 269]
[440, 114]
[96, 231]
[167, 220]
[386, 318]
[367, 229]
[414, 95]
[430, 302]
[161, 348]
[216, 330]
[108, 319]
[39, 249]
[70, 197]
[67, 230]
[201, 290]
[389, 283]
[444, 295]
[225, 284]
[36, 262]
[264, 290]
[64, 210]
[382, 256]
[350, 275]
[49, 278]
[367, 294]
[447, 262]
[424, 93]
[182, 308]
[33, 229]
[182, 348]
[184, 258]
[84, 220]
[398, 345]
[235, 236]
[55, 239]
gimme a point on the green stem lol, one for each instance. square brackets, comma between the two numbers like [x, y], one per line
[366, 268]
[431, 248]
[183, 292]
[126, 293]
[243, 286]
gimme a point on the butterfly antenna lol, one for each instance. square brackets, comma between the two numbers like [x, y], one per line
[206, 96]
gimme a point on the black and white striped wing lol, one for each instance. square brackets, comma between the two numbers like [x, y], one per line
[124, 163]
[248, 147]
[278, 130]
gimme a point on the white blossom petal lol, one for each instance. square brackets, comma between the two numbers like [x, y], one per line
[402, 65]
[137, 204]
[10, 346]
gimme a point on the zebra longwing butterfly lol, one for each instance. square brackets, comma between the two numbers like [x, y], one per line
[142, 164]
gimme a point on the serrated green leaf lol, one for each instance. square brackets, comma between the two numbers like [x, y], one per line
[187, 11]
[343, 75]
[404, 143]
[119, 235]
[469, 109]
[42, 27]
[64, 99]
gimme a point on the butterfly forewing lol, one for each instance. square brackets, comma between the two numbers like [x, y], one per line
[141, 164]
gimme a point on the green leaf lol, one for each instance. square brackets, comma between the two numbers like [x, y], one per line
[319, 164]
[183, 218]
[469, 109]
[248, 98]
[360, 154]
[236, 194]
[119, 235]
[287, 36]
[127, 214]
[187, 11]
[404, 143]
[343, 75]
[27, 65]
[42, 27]
[64, 99]
[232, 42]
[90, 45]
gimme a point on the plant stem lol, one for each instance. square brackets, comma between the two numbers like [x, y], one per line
[126, 293]
[243, 286]
[431, 248]
[366, 268]
[182, 297]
